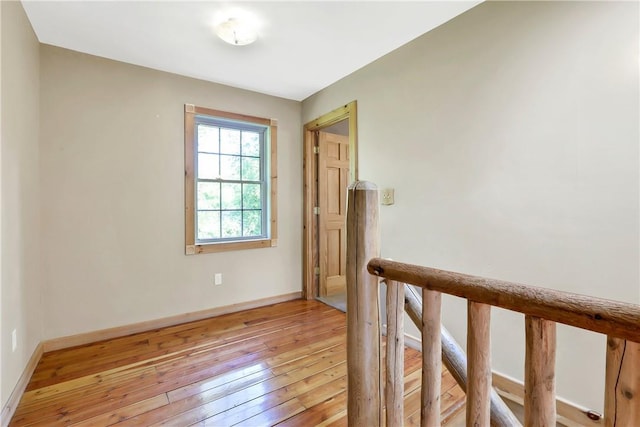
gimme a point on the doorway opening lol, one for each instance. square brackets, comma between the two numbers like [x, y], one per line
[330, 165]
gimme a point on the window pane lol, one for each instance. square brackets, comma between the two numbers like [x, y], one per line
[250, 169]
[208, 225]
[231, 196]
[229, 189]
[208, 195]
[252, 223]
[230, 167]
[208, 166]
[250, 144]
[229, 141]
[251, 196]
[231, 224]
[208, 137]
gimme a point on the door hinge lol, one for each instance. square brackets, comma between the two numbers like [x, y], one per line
[316, 210]
[316, 271]
[316, 150]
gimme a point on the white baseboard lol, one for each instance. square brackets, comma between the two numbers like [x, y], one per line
[12, 403]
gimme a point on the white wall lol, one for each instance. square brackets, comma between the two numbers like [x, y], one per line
[112, 146]
[21, 307]
[511, 137]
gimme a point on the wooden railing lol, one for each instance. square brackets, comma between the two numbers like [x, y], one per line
[542, 309]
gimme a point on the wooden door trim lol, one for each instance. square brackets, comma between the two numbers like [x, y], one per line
[310, 173]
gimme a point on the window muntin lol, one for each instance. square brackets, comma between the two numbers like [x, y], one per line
[231, 184]
[229, 181]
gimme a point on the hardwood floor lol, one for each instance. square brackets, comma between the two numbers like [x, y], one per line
[283, 364]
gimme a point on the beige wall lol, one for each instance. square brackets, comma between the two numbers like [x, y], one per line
[113, 197]
[21, 307]
[511, 137]
[516, 125]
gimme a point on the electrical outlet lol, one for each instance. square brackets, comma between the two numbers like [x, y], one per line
[14, 340]
[217, 279]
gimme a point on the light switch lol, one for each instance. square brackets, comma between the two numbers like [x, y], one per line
[387, 196]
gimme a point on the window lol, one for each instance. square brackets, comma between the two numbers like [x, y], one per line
[230, 181]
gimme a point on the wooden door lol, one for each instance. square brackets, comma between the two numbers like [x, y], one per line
[333, 180]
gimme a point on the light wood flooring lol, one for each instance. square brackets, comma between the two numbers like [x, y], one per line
[283, 365]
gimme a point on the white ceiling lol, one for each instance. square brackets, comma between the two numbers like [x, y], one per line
[303, 46]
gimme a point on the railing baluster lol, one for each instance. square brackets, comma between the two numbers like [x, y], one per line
[539, 373]
[394, 390]
[542, 308]
[455, 360]
[622, 383]
[478, 364]
[431, 358]
[364, 398]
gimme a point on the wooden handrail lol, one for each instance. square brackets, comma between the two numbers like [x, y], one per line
[608, 317]
[542, 309]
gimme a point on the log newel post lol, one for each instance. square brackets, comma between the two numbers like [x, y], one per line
[364, 398]
[622, 383]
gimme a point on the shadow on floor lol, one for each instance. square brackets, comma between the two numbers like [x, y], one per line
[338, 301]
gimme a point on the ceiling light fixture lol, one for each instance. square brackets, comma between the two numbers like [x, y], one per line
[236, 32]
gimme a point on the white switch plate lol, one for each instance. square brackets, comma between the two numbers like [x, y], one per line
[14, 340]
[217, 279]
[387, 196]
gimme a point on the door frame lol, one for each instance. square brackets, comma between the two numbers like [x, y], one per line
[310, 177]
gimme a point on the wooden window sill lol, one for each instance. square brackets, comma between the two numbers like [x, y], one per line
[229, 246]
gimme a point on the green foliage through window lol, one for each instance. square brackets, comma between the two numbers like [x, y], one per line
[231, 185]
